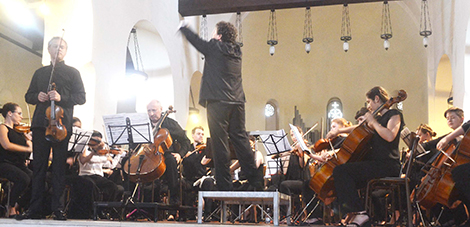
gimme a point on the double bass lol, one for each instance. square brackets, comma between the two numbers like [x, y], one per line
[149, 157]
[437, 186]
[353, 149]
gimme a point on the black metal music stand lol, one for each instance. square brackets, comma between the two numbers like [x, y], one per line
[137, 132]
[275, 143]
[78, 140]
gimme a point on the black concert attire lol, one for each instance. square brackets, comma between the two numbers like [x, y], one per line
[461, 176]
[180, 145]
[70, 87]
[382, 160]
[193, 171]
[13, 167]
[222, 94]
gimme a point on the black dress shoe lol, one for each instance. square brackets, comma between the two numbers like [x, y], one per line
[59, 215]
[27, 215]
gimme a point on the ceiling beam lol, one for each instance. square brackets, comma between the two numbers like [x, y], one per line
[205, 7]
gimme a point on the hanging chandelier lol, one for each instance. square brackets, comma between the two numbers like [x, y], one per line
[425, 23]
[238, 25]
[345, 28]
[272, 32]
[386, 25]
[308, 30]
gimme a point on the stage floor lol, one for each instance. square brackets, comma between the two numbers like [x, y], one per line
[101, 223]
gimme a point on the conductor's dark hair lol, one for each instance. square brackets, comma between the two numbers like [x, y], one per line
[227, 31]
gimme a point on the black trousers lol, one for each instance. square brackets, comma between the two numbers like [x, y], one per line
[461, 177]
[355, 175]
[21, 178]
[41, 150]
[228, 121]
[299, 187]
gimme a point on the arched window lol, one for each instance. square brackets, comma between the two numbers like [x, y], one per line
[271, 114]
[334, 109]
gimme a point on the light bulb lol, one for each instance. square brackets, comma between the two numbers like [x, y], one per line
[386, 44]
[307, 47]
[425, 41]
[345, 46]
[271, 50]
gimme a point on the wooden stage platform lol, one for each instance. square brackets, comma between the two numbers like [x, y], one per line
[101, 223]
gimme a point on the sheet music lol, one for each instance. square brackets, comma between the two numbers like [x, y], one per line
[299, 138]
[116, 132]
[280, 141]
[79, 139]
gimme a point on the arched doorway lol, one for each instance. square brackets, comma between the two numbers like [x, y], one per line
[146, 52]
[440, 102]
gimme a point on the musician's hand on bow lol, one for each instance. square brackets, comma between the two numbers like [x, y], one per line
[43, 97]
[54, 96]
[333, 133]
[442, 144]
[177, 157]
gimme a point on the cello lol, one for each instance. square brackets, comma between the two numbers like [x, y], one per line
[437, 186]
[353, 149]
[148, 163]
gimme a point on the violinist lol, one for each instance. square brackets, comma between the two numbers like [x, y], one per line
[173, 155]
[194, 169]
[14, 150]
[297, 177]
[92, 161]
[360, 115]
[69, 92]
[381, 161]
[336, 142]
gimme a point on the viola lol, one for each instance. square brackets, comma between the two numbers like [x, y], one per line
[55, 131]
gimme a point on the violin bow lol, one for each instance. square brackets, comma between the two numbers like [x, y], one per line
[49, 88]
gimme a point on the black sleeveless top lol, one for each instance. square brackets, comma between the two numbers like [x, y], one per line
[381, 150]
[14, 157]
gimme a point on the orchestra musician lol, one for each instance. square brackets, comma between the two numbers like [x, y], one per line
[454, 118]
[195, 169]
[259, 160]
[173, 155]
[360, 115]
[461, 173]
[14, 150]
[297, 176]
[381, 161]
[69, 92]
[223, 96]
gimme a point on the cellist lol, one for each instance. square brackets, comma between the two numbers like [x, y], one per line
[381, 161]
[461, 173]
[70, 92]
[174, 153]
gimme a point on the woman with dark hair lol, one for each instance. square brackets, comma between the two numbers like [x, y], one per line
[382, 160]
[14, 150]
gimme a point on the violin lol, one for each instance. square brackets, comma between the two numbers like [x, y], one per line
[101, 149]
[324, 144]
[55, 131]
[199, 147]
[22, 128]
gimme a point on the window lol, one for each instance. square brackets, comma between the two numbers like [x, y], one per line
[334, 110]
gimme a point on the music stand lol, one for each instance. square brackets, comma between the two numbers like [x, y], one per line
[275, 143]
[129, 128]
[78, 140]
